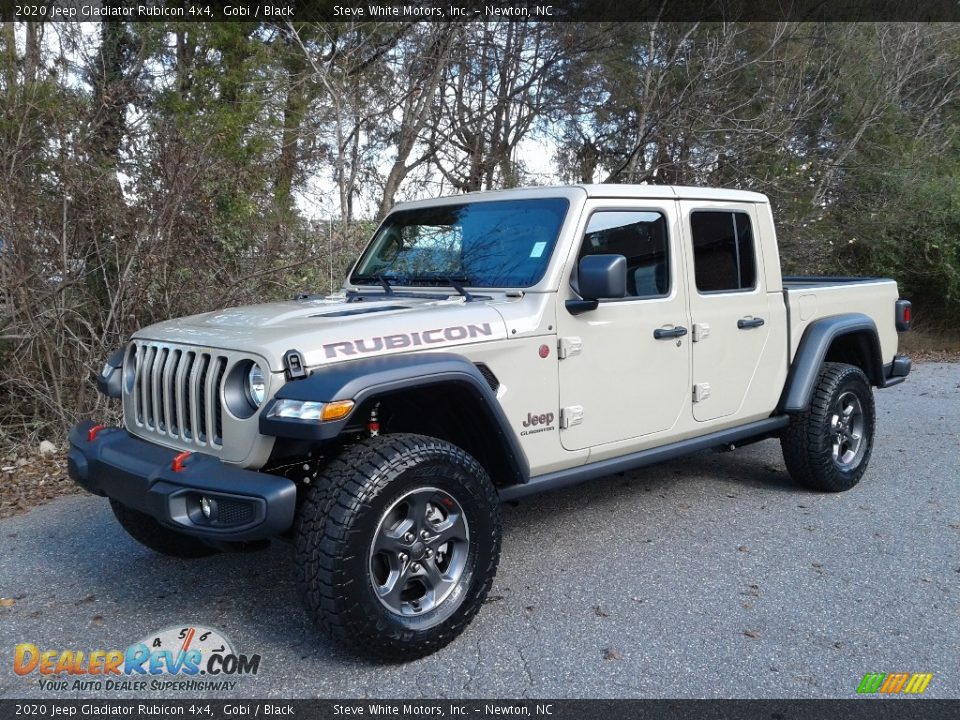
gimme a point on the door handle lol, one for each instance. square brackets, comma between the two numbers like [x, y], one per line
[667, 334]
[747, 323]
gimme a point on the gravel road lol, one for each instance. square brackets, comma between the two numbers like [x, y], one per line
[711, 576]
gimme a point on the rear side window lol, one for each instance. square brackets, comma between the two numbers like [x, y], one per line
[723, 251]
[641, 237]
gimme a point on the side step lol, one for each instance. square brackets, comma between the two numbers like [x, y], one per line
[603, 468]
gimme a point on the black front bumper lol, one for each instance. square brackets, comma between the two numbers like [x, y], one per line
[246, 505]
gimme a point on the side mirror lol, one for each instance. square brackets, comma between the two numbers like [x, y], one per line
[600, 277]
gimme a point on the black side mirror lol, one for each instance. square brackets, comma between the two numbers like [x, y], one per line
[600, 277]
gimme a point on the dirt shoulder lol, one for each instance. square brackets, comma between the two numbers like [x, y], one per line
[28, 478]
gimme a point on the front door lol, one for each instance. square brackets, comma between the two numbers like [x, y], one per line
[624, 368]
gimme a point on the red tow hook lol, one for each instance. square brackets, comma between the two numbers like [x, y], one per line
[93, 432]
[179, 461]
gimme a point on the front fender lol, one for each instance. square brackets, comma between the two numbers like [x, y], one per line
[360, 380]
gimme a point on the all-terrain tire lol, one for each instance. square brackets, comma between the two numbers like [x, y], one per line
[818, 445]
[349, 509]
[147, 531]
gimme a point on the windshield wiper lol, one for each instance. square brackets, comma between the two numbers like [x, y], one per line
[452, 282]
[378, 278]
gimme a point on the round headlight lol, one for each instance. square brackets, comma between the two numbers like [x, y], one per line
[256, 385]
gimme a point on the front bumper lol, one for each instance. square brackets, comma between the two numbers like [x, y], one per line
[246, 505]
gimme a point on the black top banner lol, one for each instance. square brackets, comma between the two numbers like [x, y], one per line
[284, 11]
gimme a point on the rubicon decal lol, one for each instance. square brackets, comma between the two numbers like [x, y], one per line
[538, 423]
[894, 683]
[436, 336]
[172, 659]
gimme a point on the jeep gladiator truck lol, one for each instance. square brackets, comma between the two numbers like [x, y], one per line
[484, 347]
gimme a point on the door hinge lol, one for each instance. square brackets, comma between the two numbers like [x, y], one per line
[701, 331]
[570, 416]
[567, 346]
[701, 391]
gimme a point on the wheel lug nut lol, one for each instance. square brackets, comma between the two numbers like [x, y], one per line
[415, 567]
[429, 553]
[424, 534]
[403, 557]
[408, 537]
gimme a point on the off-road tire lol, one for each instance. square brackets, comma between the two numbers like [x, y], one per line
[344, 509]
[148, 532]
[809, 439]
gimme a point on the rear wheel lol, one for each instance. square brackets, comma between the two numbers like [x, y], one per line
[148, 532]
[828, 447]
[397, 545]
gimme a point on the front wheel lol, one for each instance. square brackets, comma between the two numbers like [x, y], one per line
[828, 447]
[397, 545]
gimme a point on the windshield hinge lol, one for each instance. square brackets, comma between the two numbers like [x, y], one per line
[293, 365]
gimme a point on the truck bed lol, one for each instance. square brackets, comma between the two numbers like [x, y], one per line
[814, 297]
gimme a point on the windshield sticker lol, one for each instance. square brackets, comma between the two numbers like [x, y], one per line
[538, 249]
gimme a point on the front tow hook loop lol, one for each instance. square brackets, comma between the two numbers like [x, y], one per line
[179, 461]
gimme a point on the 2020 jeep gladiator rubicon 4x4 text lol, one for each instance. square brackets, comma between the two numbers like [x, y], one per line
[484, 347]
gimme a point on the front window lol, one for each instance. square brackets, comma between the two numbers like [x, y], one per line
[505, 243]
[641, 237]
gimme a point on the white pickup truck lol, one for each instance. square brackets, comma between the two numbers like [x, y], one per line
[484, 347]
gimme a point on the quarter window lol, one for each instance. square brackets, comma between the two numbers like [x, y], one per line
[641, 237]
[723, 251]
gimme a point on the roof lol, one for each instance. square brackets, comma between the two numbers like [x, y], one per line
[674, 192]
[678, 192]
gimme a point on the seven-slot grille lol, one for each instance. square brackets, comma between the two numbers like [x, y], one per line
[177, 392]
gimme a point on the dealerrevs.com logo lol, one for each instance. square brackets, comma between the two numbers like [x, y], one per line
[183, 658]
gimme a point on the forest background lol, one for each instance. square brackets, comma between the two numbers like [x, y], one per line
[154, 170]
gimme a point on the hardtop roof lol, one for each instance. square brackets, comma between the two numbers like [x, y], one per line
[674, 192]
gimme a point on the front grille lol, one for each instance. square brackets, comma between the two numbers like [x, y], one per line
[177, 392]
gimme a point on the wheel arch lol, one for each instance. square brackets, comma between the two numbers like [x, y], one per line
[850, 338]
[438, 394]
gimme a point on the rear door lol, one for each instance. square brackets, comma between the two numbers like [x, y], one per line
[626, 369]
[728, 305]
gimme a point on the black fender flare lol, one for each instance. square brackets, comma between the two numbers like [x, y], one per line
[360, 380]
[812, 351]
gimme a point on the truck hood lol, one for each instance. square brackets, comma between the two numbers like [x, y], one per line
[333, 329]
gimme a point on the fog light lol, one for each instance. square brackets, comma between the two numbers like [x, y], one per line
[206, 507]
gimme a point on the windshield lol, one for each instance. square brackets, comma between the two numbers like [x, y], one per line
[482, 244]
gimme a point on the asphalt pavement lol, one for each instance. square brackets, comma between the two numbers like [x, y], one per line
[711, 576]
